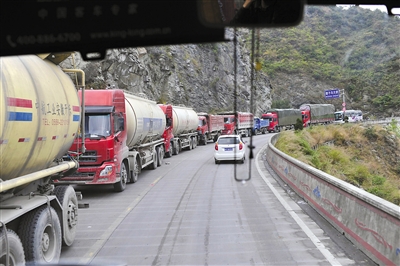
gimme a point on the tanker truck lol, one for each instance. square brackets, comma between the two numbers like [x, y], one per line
[281, 119]
[183, 122]
[39, 120]
[314, 114]
[242, 126]
[123, 136]
[210, 127]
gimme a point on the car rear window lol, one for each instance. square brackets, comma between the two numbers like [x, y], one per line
[228, 141]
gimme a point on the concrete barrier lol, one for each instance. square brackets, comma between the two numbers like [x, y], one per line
[369, 222]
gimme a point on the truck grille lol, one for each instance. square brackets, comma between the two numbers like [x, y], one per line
[88, 157]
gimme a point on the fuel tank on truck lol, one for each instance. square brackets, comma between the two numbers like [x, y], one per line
[185, 120]
[145, 120]
[39, 114]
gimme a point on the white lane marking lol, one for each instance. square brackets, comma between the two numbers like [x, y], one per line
[332, 260]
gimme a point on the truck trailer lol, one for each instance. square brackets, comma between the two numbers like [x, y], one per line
[123, 136]
[282, 119]
[317, 114]
[184, 123]
[39, 119]
[240, 123]
[210, 127]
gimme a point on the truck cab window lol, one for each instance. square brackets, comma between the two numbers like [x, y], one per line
[97, 125]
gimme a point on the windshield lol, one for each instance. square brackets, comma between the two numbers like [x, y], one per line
[97, 125]
[305, 190]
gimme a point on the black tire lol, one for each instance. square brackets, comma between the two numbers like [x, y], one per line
[67, 197]
[135, 172]
[168, 154]
[177, 148]
[194, 142]
[160, 155]
[153, 165]
[121, 185]
[16, 254]
[40, 233]
[190, 147]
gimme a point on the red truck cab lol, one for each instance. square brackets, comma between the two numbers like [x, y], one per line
[306, 117]
[229, 125]
[105, 139]
[273, 120]
[168, 135]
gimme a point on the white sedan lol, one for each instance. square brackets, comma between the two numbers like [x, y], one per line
[229, 148]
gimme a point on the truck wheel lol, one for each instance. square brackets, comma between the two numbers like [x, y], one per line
[264, 131]
[160, 152]
[153, 165]
[40, 233]
[176, 148]
[16, 255]
[67, 197]
[168, 154]
[194, 143]
[135, 172]
[121, 185]
[190, 147]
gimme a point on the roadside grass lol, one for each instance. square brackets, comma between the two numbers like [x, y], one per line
[364, 156]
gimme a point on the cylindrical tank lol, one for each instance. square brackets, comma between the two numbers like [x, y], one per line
[145, 120]
[39, 115]
[185, 120]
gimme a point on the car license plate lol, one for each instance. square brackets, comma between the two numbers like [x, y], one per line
[228, 149]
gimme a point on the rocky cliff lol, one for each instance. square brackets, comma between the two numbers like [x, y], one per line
[200, 76]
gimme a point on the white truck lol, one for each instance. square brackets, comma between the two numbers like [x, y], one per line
[184, 123]
[39, 119]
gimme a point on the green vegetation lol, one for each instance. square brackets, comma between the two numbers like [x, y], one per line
[366, 157]
[355, 49]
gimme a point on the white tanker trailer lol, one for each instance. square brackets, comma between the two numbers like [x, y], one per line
[39, 119]
[185, 121]
[124, 135]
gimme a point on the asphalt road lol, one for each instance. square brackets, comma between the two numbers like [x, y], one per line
[190, 211]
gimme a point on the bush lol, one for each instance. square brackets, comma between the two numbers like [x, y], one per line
[298, 125]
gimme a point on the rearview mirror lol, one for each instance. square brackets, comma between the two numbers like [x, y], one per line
[250, 13]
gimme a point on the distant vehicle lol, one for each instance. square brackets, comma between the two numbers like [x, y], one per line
[282, 119]
[315, 114]
[260, 126]
[243, 126]
[210, 127]
[230, 148]
[352, 116]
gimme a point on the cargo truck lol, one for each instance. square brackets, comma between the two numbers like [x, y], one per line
[123, 136]
[184, 122]
[243, 125]
[282, 119]
[39, 119]
[260, 126]
[210, 127]
[317, 114]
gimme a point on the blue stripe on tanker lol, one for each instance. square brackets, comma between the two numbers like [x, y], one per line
[19, 116]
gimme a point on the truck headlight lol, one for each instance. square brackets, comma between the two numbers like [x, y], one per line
[106, 171]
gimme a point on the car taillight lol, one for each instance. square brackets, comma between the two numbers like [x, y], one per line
[240, 145]
[216, 146]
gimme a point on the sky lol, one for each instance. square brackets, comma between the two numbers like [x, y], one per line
[373, 7]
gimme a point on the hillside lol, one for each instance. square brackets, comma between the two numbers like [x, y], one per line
[357, 50]
[365, 156]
